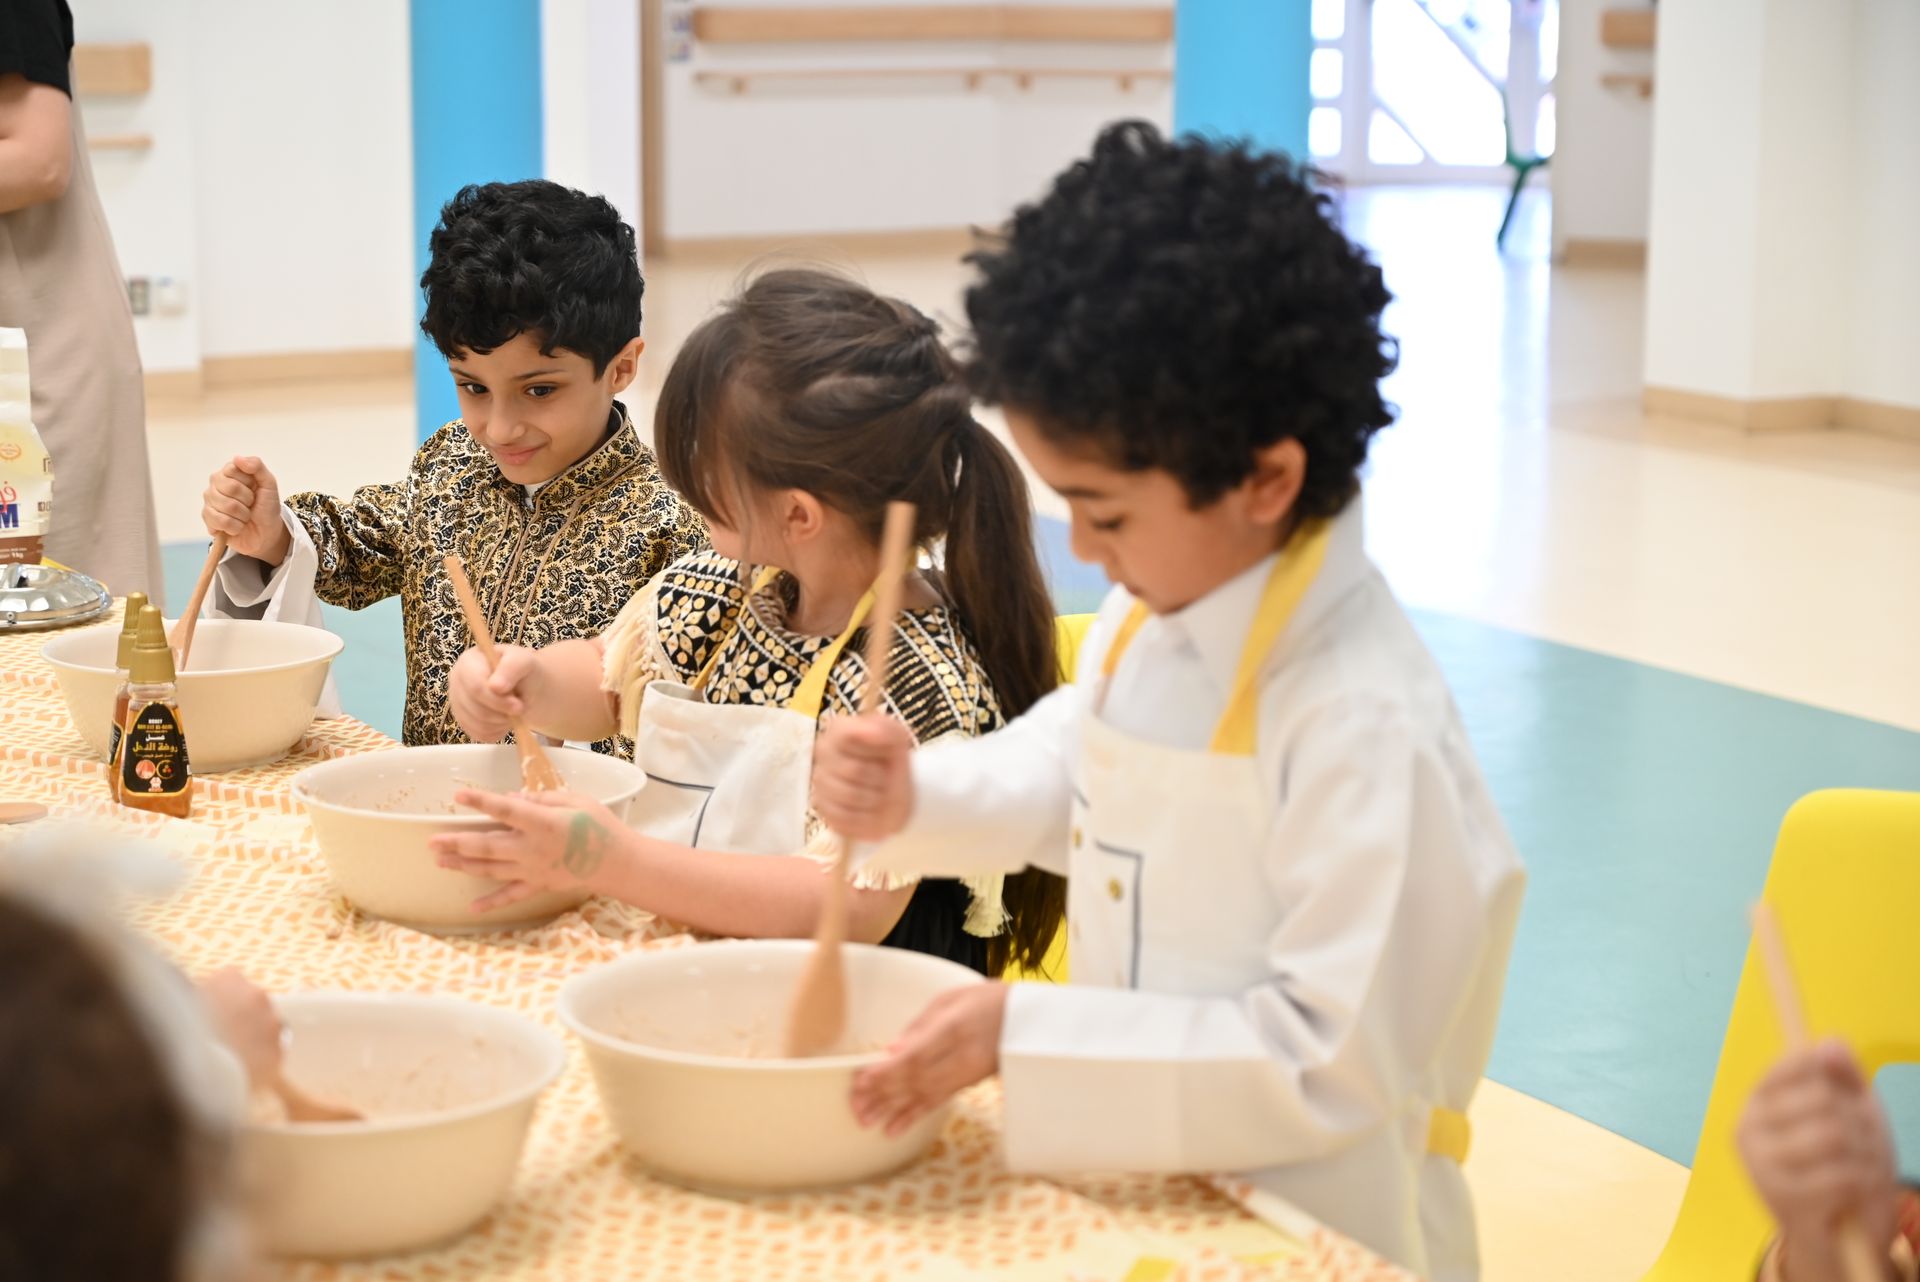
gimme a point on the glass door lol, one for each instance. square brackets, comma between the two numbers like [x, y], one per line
[1431, 90]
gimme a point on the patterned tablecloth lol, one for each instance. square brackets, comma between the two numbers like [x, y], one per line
[260, 899]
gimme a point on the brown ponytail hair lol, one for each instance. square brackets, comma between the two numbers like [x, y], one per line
[807, 380]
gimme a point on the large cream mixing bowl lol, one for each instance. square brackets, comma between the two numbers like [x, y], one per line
[247, 695]
[684, 1044]
[374, 813]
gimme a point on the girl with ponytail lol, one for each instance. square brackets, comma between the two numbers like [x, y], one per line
[790, 419]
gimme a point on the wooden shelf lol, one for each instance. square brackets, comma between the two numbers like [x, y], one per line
[1627, 28]
[740, 81]
[121, 142]
[856, 23]
[1642, 85]
[112, 69]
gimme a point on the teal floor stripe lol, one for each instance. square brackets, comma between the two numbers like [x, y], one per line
[371, 672]
[1644, 802]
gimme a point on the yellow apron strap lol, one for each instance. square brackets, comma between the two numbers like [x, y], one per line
[812, 692]
[1449, 1134]
[767, 575]
[1291, 576]
[1123, 638]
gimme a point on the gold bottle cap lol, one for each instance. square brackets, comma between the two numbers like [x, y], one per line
[130, 630]
[152, 656]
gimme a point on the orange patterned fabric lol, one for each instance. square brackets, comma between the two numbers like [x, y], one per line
[260, 900]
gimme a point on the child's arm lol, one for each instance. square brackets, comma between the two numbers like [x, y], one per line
[358, 541]
[271, 566]
[284, 554]
[958, 808]
[561, 841]
[244, 1017]
[1390, 916]
[1816, 1142]
[557, 689]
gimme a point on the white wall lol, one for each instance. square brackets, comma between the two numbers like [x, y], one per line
[149, 195]
[1884, 352]
[1702, 242]
[278, 189]
[1602, 169]
[899, 153]
[590, 72]
[1782, 259]
[1803, 250]
[304, 178]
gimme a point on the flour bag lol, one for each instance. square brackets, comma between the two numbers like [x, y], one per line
[26, 469]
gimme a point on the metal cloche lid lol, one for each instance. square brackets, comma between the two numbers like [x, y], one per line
[41, 596]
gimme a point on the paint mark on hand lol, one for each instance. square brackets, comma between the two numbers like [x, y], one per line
[586, 848]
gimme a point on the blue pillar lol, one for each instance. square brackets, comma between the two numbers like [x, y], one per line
[1240, 70]
[476, 118]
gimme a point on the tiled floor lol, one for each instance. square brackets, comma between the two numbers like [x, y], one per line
[1660, 633]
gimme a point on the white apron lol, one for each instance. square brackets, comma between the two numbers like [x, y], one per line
[724, 776]
[1168, 893]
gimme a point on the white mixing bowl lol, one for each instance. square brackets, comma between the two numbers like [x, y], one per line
[247, 695]
[448, 1088]
[673, 1036]
[374, 812]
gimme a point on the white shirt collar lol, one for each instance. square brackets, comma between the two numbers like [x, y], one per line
[1216, 625]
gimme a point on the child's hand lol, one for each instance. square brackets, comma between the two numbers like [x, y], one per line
[554, 841]
[954, 1043]
[244, 1017]
[243, 502]
[1817, 1145]
[862, 777]
[484, 699]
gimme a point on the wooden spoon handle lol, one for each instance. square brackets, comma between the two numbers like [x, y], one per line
[182, 639]
[302, 1107]
[1858, 1259]
[896, 545]
[819, 1013]
[470, 607]
[21, 812]
[536, 768]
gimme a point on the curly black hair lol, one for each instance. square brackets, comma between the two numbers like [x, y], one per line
[536, 258]
[1181, 305]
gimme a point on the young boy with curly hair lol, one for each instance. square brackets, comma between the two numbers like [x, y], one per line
[1291, 898]
[541, 485]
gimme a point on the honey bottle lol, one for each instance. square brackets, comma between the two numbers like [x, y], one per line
[155, 773]
[123, 661]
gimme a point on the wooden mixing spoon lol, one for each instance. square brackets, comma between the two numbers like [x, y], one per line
[536, 768]
[1859, 1259]
[302, 1107]
[182, 639]
[819, 1012]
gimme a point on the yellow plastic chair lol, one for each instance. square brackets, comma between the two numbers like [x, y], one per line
[1844, 882]
[1071, 633]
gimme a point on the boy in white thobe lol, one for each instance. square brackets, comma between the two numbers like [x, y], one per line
[1291, 898]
